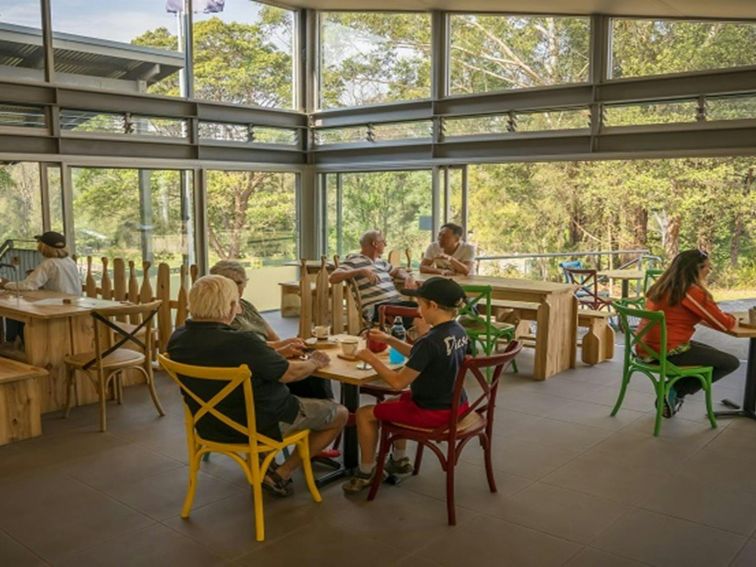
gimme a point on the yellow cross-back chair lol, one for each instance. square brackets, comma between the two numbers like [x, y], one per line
[109, 360]
[246, 454]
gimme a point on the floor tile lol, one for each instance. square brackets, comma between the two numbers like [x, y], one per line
[161, 496]
[706, 501]
[747, 555]
[594, 475]
[565, 513]
[491, 541]
[318, 544]
[594, 415]
[590, 557]
[52, 514]
[156, 545]
[665, 541]
[14, 554]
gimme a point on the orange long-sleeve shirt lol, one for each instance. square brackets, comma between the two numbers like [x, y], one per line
[696, 306]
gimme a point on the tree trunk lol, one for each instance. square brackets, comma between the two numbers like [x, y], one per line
[672, 236]
[640, 227]
[737, 234]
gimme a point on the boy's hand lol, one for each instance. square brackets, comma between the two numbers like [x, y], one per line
[291, 350]
[420, 326]
[377, 335]
[365, 355]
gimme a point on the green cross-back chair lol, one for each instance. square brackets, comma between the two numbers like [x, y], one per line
[662, 373]
[476, 316]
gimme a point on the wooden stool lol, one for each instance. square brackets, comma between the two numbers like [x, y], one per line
[598, 343]
[20, 415]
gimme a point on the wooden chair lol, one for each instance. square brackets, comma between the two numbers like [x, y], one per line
[109, 360]
[588, 294]
[448, 440]
[247, 454]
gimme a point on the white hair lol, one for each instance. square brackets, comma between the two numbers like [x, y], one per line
[369, 237]
[211, 297]
[230, 269]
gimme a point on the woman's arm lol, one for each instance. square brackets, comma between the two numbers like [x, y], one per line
[703, 305]
[36, 280]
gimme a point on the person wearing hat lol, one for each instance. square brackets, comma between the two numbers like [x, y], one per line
[430, 372]
[57, 272]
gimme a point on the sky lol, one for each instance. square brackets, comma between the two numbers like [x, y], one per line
[116, 20]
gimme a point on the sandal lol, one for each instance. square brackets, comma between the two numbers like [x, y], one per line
[276, 485]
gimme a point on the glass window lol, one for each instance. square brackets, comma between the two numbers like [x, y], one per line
[132, 46]
[655, 47]
[372, 57]
[731, 107]
[243, 53]
[21, 53]
[252, 219]
[20, 201]
[133, 214]
[491, 53]
[55, 188]
[396, 202]
[650, 113]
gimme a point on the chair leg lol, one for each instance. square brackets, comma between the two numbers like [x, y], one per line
[192, 488]
[661, 393]
[418, 459]
[303, 447]
[378, 474]
[486, 442]
[103, 394]
[450, 466]
[709, 410]
[259, 516]
[623, 389]
[153, 392]
[70, 381]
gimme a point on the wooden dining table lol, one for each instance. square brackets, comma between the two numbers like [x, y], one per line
[351, 378]
[56, 324]
[557, 317]
[744, 330]
[625, 276]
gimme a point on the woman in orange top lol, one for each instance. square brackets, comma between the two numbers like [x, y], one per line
[681, 293]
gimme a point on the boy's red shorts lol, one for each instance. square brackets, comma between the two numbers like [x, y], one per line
[404, 411]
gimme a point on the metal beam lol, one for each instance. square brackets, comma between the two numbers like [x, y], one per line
[47, 39]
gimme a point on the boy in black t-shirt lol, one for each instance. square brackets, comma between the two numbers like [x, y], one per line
[430, 372]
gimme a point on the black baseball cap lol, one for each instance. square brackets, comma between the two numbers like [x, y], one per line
[52, 239]
[445, 292]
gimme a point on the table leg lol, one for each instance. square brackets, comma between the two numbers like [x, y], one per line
[625, 288]
[749, 398]
[350, 397]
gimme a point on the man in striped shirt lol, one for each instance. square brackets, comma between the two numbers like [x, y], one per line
[373, 275]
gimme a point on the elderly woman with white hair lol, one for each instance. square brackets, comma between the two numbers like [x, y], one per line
[207, 339]
[250, 320]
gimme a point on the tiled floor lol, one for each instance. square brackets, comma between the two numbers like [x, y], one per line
[576, 488]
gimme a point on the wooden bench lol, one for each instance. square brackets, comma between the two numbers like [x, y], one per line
[290, 298]
[598, 342]
[20, 408]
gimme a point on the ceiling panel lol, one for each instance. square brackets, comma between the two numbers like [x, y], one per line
[734, 9]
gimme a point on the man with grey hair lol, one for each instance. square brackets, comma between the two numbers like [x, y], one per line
[250, 320]
[373, 275]
[207, 339]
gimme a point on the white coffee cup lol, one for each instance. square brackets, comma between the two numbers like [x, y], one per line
[349, 346]
[321, 331]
